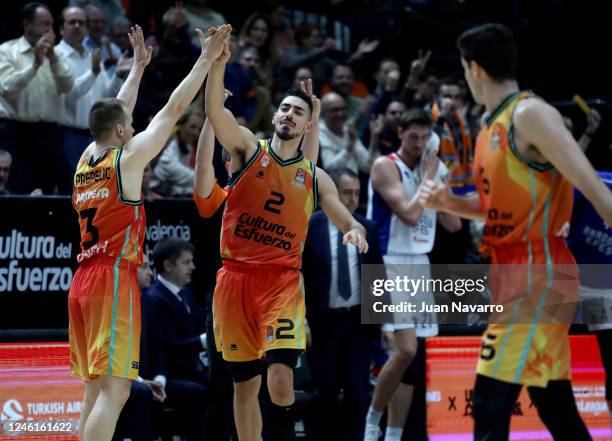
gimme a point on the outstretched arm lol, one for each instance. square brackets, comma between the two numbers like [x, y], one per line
[142, 56]
[146, 145]
[204, 171]
[233, 137]
[353, 231]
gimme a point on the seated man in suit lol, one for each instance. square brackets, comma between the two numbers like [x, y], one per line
[340, 352]
[135, 421]
[180, 337]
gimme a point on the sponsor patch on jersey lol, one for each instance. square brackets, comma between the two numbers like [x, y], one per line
[300, 178]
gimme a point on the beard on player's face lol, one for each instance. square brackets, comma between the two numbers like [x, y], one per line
[285, 133]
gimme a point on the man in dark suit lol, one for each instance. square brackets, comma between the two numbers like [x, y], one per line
[179, 343]
[136, 419]
[340, 355]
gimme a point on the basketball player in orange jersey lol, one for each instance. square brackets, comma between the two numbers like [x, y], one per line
[104, 303]
[259, 298]
[525, 165]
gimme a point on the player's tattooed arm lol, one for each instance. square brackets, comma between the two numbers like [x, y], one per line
[353, 231]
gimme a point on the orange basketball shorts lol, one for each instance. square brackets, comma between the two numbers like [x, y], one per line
[104, 319]
[258, 308]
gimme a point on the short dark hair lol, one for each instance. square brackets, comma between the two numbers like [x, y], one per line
[336, 174]
[300, 94]
[492, 46]
[417, 117]
[104, 115]
[170, 249]
[29, 10]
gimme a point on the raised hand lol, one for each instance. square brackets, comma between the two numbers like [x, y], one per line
[225, 55]
[40, 50]
[179, 18]
[366, 46]
[430, 166]
[96, 58]
[356, 238]
[377, 123]
[48, 40]
[142, 54]
[213, 46]
[593, 122]
[435, 194]
[417, 67]
[316, 102]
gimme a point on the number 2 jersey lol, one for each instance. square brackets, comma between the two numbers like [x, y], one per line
[110, 225]
[269, 204]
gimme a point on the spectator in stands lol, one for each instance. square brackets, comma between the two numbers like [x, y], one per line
[282, 33]
[310, 51]
[340, 355]
[176, 50]
[181, 330]
[173, 174]
[113, 9]
[341, 82]
[387, 79]
[340, 146]
[456, 146]
[387, 76]
[250, 102]
[136, 419]
[419, 88]
[5, 171]
[199, 15]
[32, 79]
[383, 129]
[91, 84]
[120, 27]
[98, 38]
[257, 32]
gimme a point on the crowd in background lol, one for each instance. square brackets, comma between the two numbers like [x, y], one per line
[63, 62]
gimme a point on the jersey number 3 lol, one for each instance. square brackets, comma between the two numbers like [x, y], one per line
[276, 200]
[89, 214]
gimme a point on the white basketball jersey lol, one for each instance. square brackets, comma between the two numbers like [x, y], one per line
[396, 237]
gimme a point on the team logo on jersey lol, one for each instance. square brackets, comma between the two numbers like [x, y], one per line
[270, 334]
[496, 133]
[300, 178]
[265, 160]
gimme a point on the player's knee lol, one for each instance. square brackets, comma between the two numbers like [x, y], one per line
[405, 354]
[280, 386]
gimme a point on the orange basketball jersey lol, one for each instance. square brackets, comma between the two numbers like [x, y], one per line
[269, 203]
[110, 225]
[523, 201]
